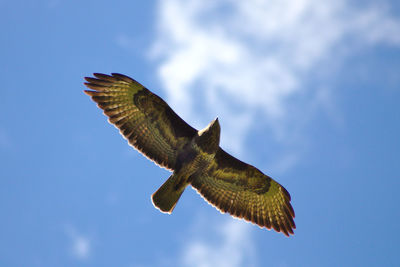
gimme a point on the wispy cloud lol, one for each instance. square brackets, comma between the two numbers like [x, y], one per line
[243, 58]
[232, 247]
[80, 246]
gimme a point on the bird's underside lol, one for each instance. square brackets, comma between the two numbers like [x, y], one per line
[195, 158]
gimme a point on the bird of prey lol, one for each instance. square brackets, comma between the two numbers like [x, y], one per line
[194, 157]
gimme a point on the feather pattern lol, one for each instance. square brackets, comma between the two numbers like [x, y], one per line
[153, 128]
[245, 192]
[143, 118]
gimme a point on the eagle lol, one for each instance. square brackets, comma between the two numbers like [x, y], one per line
[194, 157]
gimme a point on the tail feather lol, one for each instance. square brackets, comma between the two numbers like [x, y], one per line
[166, 197]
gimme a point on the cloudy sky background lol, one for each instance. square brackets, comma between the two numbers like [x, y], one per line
[307, 91]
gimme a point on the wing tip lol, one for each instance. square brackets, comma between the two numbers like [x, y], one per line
[123, 77]
[105, 79]
[95, 86]
[89, 92]
[280, 226]
[102, 76]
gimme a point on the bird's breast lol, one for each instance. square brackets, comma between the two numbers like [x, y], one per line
[193, 160]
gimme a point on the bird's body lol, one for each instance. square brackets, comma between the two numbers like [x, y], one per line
[195, 157]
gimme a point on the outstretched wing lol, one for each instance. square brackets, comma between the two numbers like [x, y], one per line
[245, 192]
[143, 118]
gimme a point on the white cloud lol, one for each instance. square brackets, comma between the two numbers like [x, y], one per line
[233, 246]
[80, 246]
[376, 25]
[243, 58]
[257, 62]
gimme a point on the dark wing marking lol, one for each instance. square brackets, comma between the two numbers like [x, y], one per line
[245, 192]
[143, 118]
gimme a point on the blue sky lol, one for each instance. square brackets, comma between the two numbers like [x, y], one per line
[308, 92]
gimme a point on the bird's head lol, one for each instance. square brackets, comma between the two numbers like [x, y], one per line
[208, 138]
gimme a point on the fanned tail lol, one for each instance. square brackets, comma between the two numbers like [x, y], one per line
[166, 197]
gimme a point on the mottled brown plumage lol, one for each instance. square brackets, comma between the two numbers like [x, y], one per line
[195, 157]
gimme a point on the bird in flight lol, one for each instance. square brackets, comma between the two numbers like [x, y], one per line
[194, 157]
